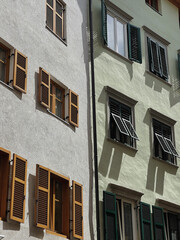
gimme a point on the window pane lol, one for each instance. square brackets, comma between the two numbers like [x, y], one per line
[2, 54]
[110, 32]
[59, 8]
[59, 94]
[49, 18]
[58, 207]
[120, 38]
[58, 108]
[2, 72]
[59, 26]
[128, 221]
[50, 2]
[51, 103]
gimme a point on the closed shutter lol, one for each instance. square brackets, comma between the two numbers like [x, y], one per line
[73, 108]
[154, 54]
[110, 216]
[18, 192]
[104, 21]
[158, 223]
[146, 223]
[163, 60]
[179, 65]
[44, 88]
[42, 197]
[77, 210]
[20, 72]
[134, 43]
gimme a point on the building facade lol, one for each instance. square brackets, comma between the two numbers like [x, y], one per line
[44, 151]
[136, 58]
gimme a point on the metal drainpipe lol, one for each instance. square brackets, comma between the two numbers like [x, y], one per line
[94, 120]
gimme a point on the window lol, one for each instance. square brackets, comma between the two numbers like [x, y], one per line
[157, 58]
[18, 187]
[55, 17]
[119, 35]
[54, 96]
[172, 228]
[52, 209]
[17, 76]
[121, 123]
[153, 3]
[163, 142]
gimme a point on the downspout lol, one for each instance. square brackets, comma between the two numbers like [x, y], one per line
[94, 120]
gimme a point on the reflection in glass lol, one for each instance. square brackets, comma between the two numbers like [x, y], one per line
[120, 38]
[58, 108]
[128, 221]
[49, 18]
[2, 72]
[110, 32]
[59, 26]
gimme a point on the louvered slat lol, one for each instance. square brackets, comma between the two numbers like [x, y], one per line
[155, 66]
[73, 108]
[18, 192]
[77, 210]
[164, 70]
[44, 88]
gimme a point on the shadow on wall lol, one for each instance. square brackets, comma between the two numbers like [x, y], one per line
[33, 230]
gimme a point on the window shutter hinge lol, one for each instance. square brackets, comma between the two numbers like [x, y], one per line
[37, 200]
[66, 117]
[7, 211]
[67, 94]
[71, 187]
[138, 206]
[11, 55]
[8, 199]
[10, 160]
[63, 9]
[64, 39]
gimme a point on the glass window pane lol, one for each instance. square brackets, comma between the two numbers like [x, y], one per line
[59, 94]
[49, 18]
[2, 72]
[59, 26]
[58, 207]
[128, 221]
[50, 2]
[58, 109]
[51, 103]
[59, 8]
[120, 38]
[2, 54]
[110, 32]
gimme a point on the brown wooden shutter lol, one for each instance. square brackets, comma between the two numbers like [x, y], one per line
[20, 72]
[42, 197]
[73, 108]
[44, 87]
[77, 210]
[18, 190]
[5, 157]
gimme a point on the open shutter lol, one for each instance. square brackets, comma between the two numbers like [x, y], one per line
[179, 64]
[163, 61]
[42, 197]
[5, 157]
[154, 54]
[44, 88]
[134, 43]
[146, 223]
[73, 108]
[110, 216]
[158, 220]
[18, 191]
[20, 72]
[104, 21]
[77, 210]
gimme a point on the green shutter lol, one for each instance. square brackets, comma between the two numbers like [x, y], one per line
[163, 62]
[154, 54]
[110, 216]
[146, 223]
[179, 64]
[104, 21]
[134, 43]
[158, 223]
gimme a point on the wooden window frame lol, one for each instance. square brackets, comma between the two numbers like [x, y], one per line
[54, 17]
[54, 98]
[6, 62]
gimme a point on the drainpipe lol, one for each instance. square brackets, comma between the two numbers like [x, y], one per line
[94, 120]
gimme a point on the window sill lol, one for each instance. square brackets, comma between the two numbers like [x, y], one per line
[62, 120]
[57, 234]
[166, 162]
[65, 43]
[119, 55]
[162, 80]
[122, 144]
[154, 9]
[6, 85]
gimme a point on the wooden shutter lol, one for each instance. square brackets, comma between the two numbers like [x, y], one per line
[42, 195]
[18, 191]
[20, 72]
[77, 210]
[146, 223]
[5, 157]
[73, 108]
[158, 223]
[110, 216]
[154, 60]
[163, 61]
[134, 43]
[44, 88]
[104, 21]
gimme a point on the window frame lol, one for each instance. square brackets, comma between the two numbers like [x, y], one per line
[6, 62]
[63, 18]
[150, 4]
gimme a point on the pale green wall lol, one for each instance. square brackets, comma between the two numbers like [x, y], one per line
[117, 164]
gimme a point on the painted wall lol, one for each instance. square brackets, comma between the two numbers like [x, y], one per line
[26, 128]
[118, 164]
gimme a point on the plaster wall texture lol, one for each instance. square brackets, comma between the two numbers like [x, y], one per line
[137, 170]
[26, 128]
